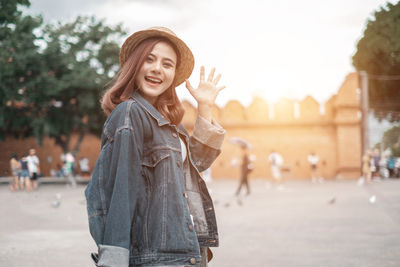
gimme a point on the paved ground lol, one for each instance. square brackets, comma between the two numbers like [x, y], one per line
[336, 223]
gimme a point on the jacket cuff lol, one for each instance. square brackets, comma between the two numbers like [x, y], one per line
[210, 134]
[112, 256]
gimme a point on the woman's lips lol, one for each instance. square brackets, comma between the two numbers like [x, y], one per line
[153, 80]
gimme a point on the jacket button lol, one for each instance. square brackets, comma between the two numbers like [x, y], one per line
[190, 228]
[185, 195]
[178, 163]
[193, 261]
[174, 135]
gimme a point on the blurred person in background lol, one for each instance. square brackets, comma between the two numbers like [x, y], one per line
[24, 175]
[383, 167]
[391, 165]
[244, 172]
[15, 167]
[84, 166]
[376, 158]
[70, 161]
[397, 167]
[313, 160]
[276, 161]
[366, 166]
[34, 169]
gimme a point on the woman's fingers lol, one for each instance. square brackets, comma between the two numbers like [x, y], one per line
[211, 75]
[221, 88]
[210, 79]
[217, 79]
[202, 74]
[189, 86]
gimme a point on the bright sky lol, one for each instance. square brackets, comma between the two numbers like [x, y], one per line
[262, 48]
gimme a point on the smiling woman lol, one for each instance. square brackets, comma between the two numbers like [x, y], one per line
[153, 59]
[157, 72]
[146, 201]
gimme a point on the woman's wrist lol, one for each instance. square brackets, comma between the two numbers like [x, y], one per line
[205, 111]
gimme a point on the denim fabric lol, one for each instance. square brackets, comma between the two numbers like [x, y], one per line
[136, 199]
[112, 256]
[203, 263]
[24, 174]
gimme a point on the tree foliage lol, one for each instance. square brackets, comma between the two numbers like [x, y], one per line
[82, 56]
[391, 139]
[52, 76]
[378, 53]
[21, 74]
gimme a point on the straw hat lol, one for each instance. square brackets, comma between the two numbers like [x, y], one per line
[185, 67]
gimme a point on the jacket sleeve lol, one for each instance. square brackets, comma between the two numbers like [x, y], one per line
[125, 171]
[206, 142]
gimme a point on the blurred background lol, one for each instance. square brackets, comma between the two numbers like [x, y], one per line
[314, 83]
[326, 72]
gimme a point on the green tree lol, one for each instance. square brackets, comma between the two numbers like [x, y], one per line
[82, 56]
[52, 76]
[391, 139]
[21, 74]
[378, 53]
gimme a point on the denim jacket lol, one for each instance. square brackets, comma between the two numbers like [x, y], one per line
[141, 195]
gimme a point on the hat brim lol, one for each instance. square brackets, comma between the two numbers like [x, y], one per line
[186, 64]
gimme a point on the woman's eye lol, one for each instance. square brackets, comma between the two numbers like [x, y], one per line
[168, 65]
[149, 59]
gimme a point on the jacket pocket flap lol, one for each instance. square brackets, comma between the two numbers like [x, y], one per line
[152, 159]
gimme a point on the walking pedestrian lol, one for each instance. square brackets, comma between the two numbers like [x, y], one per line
[244, 172]
[276, 162]
[34, 169]
[69, 169]
[146, 201]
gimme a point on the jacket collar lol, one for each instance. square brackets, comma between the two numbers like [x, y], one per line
[182, 130]
[149, 108]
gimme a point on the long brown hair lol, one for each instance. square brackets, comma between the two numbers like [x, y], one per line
[124, 85]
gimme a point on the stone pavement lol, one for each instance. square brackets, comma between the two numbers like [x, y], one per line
[336, 223]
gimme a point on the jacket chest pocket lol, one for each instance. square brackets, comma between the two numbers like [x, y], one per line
[152, 159]
[156, 167]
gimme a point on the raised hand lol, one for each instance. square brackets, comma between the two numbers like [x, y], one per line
[207, 90]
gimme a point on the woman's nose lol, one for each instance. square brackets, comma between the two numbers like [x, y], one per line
[157, 66]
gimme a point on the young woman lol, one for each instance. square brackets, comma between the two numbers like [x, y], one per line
[146, 201]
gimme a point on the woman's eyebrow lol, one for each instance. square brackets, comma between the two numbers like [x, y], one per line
[165, 58]
[170, 60]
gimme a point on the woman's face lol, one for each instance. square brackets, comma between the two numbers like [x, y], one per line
[158, 72]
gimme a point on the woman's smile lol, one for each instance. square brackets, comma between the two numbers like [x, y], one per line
[153, 80]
